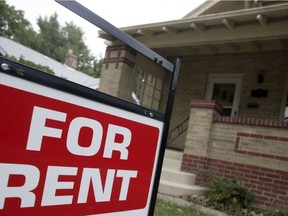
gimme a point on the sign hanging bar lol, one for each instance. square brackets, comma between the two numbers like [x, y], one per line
[96, 20]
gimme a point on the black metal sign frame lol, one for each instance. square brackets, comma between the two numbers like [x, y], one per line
[31, 74]
[133, 43]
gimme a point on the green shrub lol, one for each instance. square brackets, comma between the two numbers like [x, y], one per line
[167, 208]
[276, 212]
[21, 60]
[231, 195]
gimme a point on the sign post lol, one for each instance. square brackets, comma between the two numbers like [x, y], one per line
[69, 150]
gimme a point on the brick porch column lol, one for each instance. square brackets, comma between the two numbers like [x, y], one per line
[198, 134]
[117, 72]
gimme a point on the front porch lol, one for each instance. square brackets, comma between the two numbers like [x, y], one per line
[254, 150]
[236, 56]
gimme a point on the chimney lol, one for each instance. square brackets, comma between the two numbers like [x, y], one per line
[70, 59]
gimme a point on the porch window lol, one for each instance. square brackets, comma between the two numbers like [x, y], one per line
[147, 90]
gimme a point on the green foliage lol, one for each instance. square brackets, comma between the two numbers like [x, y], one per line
[21, 60]
[97, 68]
[276, 212]
[56, 41]
[13, 25]
[53, 40]
[11, 21]
[164, 208]
[231, 194]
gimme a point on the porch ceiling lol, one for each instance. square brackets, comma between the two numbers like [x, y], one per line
[250, 30]
[226, 47]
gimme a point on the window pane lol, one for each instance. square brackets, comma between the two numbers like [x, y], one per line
[147, 101]
[157, 95]
[150, 80]
[226, 111]
[155, 104]
[148, 90]
[224, 94]
[159, 84]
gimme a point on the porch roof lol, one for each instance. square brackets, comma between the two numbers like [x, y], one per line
[247, 30]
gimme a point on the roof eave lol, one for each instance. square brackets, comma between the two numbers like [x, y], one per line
[240, 15]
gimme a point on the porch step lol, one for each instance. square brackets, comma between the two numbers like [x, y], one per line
[175, 182]
[172, 163]
[177, 189]
[172, 154]
[178, 176]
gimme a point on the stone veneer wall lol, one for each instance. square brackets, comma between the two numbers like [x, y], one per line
[251, 149]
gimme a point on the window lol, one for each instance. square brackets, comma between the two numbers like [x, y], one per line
[147, 90]
[224, 94]
[225, 89]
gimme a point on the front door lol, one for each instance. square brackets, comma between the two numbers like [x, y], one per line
[226, 91]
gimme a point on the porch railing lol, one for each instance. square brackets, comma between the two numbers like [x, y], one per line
[177, 131]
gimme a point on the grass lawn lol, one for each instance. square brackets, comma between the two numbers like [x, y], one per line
[166, 208]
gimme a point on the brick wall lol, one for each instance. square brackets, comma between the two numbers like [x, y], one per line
[252, 150]
[191, 85]
[195, 71]
[194, 76]
[269, 185]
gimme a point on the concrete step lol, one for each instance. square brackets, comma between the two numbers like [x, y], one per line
[177, 176]
[177, 189]
[175, 182]
[172, 164]
[172, 154]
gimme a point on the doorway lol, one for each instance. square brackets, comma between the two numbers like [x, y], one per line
[226, 91]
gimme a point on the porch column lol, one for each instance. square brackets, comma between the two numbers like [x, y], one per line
[117, 72]
[200, 122]
[198, 134]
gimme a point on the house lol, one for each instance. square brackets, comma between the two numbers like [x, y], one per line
[12, 48]
[232, 95]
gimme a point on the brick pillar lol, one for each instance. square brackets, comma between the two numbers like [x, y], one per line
[198, 134]
[200, 122]
[117, 72]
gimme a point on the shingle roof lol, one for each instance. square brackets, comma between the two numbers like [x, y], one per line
[12, 48]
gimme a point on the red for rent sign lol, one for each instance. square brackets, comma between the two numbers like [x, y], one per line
[66, 155]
